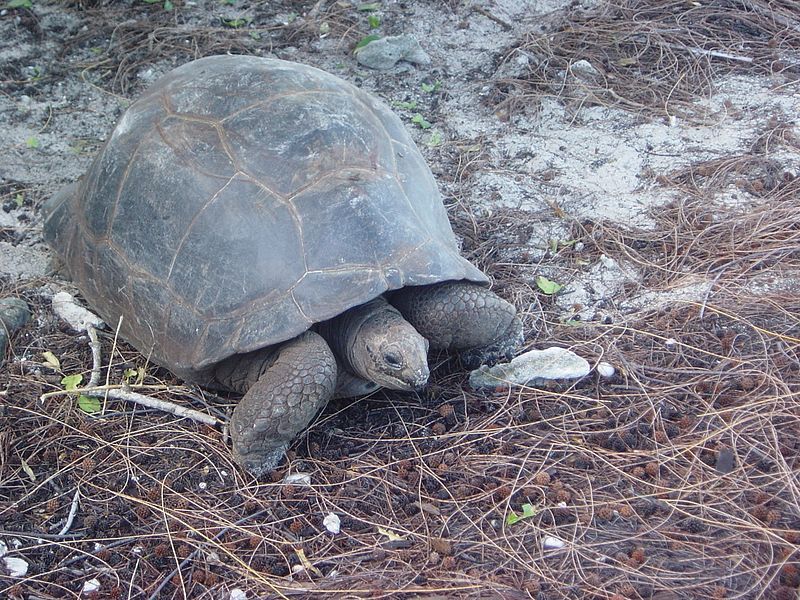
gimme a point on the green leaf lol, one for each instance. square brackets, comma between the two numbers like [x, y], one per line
[366, 40]
[546, 286]
[420, 121]
[374, 21]
[168, 5]
[435, 139]
[20, 4]
[71, 382]
[406, 105]
[369, 6]
[19, 199]
[528, 511]
[324, 28]
[255, 35]
[235, 23]
[32, 142]
[429, 88]
[89, 404]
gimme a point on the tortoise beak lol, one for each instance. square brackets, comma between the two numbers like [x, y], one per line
[421, 378]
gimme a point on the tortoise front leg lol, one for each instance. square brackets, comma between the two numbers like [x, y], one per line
[285, 387]
[464, 317]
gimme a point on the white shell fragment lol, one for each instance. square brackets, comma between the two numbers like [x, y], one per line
[332, 523]
[605, 370]
[17, 567]
[92, 585]
[68, 309]
[553, 543]
[531, 368]
[297, 479]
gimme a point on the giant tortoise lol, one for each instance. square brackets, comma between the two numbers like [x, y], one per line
[264, 227]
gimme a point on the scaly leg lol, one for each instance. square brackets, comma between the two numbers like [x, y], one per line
[285, 387]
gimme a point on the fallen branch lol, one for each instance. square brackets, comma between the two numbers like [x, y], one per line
[94, 344]
[73, 510]
[123, 392]
[119, 393]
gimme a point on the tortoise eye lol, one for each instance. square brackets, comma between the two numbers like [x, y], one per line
[393, 359]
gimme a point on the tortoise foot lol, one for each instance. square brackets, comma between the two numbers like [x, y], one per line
[298, 378]
[502, 349]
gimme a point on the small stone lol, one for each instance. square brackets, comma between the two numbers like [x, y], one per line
[92, 585]
[535, 367]
[553, 543]
[583, 69]
[68, 309]
[385, 53]
[14, 313]
[237, 594]
[332, 523]
[605, 370]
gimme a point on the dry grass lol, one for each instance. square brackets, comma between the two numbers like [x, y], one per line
[653, 56]
[677, 478]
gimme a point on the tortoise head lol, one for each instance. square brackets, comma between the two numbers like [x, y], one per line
[389, 351]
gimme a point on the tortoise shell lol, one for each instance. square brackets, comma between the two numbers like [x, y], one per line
[238, 201]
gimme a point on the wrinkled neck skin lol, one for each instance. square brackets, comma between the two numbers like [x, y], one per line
[375, 342]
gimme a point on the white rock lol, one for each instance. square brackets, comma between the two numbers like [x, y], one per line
[332, 523]
[605, 370]
[17, 567]
[297, 479]
[553, 543]
[237, 594]
[385, 53]
[671, 343]
[68, 309]
[90, 586]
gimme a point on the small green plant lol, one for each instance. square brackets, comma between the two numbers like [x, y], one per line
[374, 21]
[236, 23]
[87, 404]
[32, 142]
[20, 4]
[435, 139]
[547, 286]
[168, 5]
[430, 88]
[19, 199]
[366, 40]
[410, 105]
[71, 382]
[420, 121]
[528, 511]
